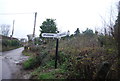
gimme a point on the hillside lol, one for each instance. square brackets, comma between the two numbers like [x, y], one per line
[79, 57]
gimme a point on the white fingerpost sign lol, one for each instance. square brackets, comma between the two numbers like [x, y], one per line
[53, 35]
[62, 34]
[49, 35]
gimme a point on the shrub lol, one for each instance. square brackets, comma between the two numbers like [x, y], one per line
[62, 57]
[6, 42]
[34, 48]
[31, 63]
[88, 32]
[37, 41]
[15, 43]
[80, 69]
[34, 61]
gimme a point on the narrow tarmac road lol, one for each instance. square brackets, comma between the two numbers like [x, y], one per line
[11, 63]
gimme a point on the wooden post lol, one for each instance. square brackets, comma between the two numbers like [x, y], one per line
[34, 24]
[56, 54]
[34, 27]
[13, 28]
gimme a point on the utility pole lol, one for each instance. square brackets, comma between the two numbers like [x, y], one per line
[13, 28]
[34, 24]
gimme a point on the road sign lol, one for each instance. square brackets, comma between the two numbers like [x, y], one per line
[62, 34]
[49, 35]
[58, 35]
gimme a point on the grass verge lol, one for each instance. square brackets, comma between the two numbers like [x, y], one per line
[48, 71]
[26, 53]
[8, 48]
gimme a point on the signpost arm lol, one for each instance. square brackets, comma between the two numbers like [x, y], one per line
[56, 54]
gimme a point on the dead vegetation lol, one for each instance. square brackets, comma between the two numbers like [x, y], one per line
[80, 57]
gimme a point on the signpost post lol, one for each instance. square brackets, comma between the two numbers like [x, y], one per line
[56, 54]
[58, 36]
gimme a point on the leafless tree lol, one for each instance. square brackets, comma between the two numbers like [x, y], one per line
[110, 22]
[4, 29]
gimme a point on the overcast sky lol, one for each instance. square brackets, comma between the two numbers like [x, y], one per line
[69, 14]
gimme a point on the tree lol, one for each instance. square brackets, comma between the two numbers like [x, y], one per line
[109, 23]
[77, 32]
[48, 26]
[117, 36]
[4, 29]
[117, 27]
[88, 32]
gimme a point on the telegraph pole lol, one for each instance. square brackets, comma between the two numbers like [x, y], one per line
[34, 24]
[13, 28]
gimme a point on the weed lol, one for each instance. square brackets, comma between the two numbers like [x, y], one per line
[31, 63]
[46, 76]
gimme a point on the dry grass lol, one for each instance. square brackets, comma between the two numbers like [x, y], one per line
[81, 56]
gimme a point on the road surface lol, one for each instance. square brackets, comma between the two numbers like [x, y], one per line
[11, 63]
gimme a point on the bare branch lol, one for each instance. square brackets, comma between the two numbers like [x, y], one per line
[4, 29]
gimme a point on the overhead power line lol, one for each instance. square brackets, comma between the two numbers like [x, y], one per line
[16, 13]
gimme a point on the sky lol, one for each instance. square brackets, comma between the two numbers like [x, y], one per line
[69, 14]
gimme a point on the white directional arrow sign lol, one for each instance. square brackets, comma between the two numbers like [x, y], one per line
[49, 35]
[62, 34]
[53, 35]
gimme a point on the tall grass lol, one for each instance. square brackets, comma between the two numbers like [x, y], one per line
[79, 57]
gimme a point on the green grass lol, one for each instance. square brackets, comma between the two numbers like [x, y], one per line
[53, 74]
[27, 53]
[48, 71]
[49, 64]
[46, 76]
[31, 63]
